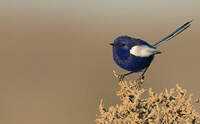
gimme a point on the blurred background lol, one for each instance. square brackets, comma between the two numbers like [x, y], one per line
[56, 63]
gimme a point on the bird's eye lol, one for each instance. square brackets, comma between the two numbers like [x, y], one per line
[121, 45]
[117, 45]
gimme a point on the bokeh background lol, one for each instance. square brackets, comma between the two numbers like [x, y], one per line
[56, 64]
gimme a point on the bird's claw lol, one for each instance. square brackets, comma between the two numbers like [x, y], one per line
[121, 77]
[141, 78]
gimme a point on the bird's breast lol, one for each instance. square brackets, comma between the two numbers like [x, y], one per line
[130, 62]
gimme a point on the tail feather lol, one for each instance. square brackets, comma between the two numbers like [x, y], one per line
[173, 34]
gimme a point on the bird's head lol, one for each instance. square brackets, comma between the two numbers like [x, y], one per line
[123, 42]
[134, 46]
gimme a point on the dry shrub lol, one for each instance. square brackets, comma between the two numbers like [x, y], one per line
[168, 107]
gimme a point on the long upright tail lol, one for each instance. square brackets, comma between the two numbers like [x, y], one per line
[173, 34]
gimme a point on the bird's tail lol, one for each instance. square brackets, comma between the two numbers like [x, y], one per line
[173, 34]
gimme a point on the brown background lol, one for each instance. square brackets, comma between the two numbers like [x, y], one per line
[56, 63]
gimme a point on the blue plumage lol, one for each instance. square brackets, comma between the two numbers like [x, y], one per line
[135, 55]
[127, 61]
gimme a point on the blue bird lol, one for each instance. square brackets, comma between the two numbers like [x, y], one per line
[136, 55]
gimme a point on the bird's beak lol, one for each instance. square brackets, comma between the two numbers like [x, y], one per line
[112, 44]
[158, 52]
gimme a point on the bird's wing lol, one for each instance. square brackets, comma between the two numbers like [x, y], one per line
[173, 34]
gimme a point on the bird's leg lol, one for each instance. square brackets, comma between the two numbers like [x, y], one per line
[142, 75]
[121, 77]
[124, 75]
[128, 73]
[144, 72]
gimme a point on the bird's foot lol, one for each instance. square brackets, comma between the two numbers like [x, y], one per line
[120, 77]
[140, 79]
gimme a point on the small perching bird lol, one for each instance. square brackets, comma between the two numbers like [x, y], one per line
[136, 55]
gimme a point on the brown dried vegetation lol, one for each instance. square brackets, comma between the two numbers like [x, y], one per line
[168, 107]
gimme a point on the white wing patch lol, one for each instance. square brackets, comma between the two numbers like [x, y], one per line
[143, 51]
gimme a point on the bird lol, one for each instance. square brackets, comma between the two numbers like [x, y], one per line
[135, 55]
